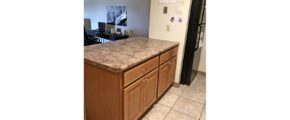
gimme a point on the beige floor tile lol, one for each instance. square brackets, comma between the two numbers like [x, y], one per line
[197, 90]
[189, 107]
[187, 102]
[158, 112]
[203, 114]
[177, 90]
[169, 99]
[198, 84]
[201, 76]
[144, 118]
[176, 115]
[198, 95]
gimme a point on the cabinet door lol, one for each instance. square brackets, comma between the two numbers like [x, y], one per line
[164, 76]
[150, 89]
[172, 70]
[133, 98]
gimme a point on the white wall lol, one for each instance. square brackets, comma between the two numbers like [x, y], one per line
[159, 21]
[137, 10]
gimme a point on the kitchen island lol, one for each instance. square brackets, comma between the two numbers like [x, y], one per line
[125, 78]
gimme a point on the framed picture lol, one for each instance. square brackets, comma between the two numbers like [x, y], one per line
[117, 15]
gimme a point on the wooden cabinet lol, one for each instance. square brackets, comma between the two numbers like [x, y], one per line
[133, 97]
[128, 94]
[166, 75]
[139, 96]
[163, 78]
[150, 89]
[172, 69]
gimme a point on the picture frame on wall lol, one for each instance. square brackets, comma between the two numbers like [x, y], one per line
[117, 15]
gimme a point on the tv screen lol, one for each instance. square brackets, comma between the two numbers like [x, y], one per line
[117, 15]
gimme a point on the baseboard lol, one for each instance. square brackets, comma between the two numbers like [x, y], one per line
[178, 84]
[175, 84]
[201, 72]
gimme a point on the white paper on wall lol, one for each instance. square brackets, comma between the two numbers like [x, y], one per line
[167, 1]
[178, 10]
[178, 7]
[163, 1]
[180, 2]
[171, 1]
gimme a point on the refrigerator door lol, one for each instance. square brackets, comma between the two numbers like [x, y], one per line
[195, 65]
[198, 46]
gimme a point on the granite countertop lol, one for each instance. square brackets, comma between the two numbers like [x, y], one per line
[121, 55]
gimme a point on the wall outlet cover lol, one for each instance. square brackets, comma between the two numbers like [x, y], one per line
[167, 28]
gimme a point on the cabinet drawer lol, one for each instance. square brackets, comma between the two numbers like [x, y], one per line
[168, 55]
[133, 74]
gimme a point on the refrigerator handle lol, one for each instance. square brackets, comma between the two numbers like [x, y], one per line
[198, 39]
[200, 25]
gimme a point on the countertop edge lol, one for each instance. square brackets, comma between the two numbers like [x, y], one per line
[118, 70]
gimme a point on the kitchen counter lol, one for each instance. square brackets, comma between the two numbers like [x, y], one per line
[123, 79]
[122, 55]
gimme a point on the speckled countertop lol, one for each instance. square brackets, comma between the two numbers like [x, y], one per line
[121, 55]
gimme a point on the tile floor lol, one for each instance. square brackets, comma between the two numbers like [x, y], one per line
[182, 103]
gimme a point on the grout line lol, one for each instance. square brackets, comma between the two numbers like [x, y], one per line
[171, 107]
[196, 101]
[179, 96]
[202, 111]
[197, 117]
[174, 103]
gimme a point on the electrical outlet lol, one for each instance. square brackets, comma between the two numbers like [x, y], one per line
[167, 28]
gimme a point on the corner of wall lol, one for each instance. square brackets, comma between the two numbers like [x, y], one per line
[178, 31]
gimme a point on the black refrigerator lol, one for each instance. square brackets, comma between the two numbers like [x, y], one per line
[196, 28]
